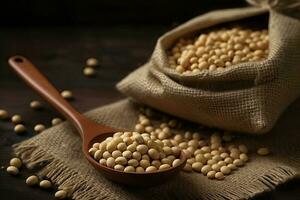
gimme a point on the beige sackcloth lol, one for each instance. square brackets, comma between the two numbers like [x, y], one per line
[56, 153]
[247, 97]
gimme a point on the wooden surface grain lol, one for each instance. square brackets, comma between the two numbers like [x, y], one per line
[60, 53]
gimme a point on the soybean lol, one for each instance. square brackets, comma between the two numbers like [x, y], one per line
[16, 162]
[35, 105]
[263, 151]
[56, 121]
[92, 62]
[3, 114]
[16, 119]
[39, 128]
[32, 180]
[89, 71]
[61, 194]
[45, 184]
[67, 94]
[19, 128]
[12, 170]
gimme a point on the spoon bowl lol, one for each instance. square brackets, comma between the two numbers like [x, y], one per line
[140, 179]
[89, 130]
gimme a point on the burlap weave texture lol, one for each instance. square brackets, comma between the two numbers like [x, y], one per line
[57, 154]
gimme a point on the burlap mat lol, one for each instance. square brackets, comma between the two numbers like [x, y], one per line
[57, 154]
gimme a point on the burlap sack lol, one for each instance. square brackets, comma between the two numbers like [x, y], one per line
[247, 97]
[56, 153]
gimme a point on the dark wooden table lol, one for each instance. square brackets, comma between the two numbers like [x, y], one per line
[60, 52]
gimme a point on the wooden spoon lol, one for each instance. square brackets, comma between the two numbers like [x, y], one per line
[90, 131]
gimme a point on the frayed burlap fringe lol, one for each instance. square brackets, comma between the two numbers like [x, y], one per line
[78, 186]
[54, 160]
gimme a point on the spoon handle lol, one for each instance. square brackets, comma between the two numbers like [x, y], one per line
[36, 80]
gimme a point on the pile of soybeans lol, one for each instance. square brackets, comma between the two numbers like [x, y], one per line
[156, 145]
[218, 49]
